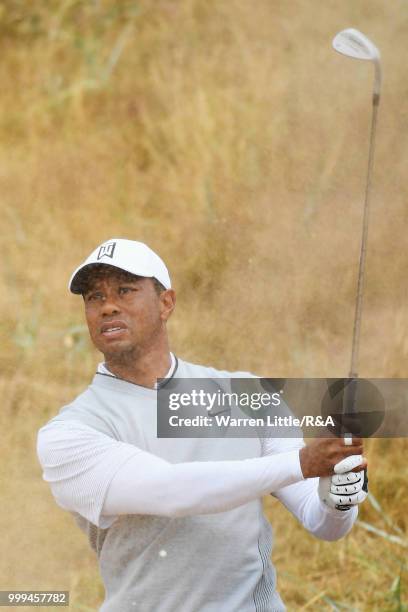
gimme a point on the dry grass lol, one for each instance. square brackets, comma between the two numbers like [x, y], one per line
[232, 139]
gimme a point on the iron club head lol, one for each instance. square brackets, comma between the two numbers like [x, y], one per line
[355, 44]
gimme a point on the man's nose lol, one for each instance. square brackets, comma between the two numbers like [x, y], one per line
[110, 305]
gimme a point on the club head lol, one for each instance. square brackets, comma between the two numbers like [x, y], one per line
[354, 44]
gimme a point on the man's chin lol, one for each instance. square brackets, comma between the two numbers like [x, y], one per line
[115, 347]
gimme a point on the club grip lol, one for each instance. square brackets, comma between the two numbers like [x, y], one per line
[365, 484]
[348, 440]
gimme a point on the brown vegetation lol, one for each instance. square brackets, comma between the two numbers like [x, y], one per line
[232, 139]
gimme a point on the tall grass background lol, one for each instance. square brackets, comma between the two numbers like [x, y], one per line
[232, 139]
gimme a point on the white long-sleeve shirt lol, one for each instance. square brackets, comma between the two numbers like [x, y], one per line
[104, 464]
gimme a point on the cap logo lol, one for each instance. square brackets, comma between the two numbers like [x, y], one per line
[106, 250]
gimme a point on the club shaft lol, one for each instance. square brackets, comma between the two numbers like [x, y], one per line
[363, 251]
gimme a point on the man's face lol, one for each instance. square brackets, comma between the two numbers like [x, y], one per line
[125, 316]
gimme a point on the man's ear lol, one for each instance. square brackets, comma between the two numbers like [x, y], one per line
[167, 303]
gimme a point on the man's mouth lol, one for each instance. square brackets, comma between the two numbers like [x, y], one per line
[113, 330]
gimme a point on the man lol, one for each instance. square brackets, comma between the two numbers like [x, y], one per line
[177, 524]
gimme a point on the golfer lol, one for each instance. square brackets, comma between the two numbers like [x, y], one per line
[177, 524]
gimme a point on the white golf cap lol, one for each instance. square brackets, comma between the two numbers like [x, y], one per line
[129, 255]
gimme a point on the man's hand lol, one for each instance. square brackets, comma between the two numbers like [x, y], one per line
[327, 456]
[344, 489]
[320, 456]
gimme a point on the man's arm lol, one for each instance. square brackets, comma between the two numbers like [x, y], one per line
[302, 499]
[100, 478]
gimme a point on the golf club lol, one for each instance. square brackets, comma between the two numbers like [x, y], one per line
[354, 44]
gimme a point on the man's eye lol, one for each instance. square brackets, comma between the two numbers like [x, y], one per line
[93, 296]
[123, 290]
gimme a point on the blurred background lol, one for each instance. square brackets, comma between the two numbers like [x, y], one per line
[232, 139]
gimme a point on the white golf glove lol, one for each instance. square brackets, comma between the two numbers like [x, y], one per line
[345, 488]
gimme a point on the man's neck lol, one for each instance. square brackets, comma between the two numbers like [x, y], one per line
[143, 370]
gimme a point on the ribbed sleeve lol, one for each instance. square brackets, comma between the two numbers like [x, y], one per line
[79, 463]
